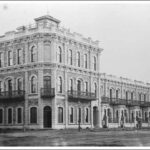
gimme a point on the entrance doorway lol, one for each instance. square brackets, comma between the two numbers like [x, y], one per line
[95, 116]
[47, 117]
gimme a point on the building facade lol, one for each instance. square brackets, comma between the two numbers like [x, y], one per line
[49, 77]
[124, 102]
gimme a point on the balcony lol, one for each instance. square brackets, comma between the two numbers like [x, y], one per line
[47, 93]
[145, 104]
[129, 103]
[81, 95]
[12, 95]
[113, 101]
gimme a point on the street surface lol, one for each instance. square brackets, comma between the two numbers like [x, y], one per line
[72, 137]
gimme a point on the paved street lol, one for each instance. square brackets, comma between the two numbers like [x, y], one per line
[75, 138]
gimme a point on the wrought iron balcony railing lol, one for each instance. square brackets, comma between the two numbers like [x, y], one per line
[47, 92]
[9, 95]
[118, 101]
[81, 95]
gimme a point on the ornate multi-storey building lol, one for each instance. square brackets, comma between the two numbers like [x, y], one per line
[49, 77]
[124, 102]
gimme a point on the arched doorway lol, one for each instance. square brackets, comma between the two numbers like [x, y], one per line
[47, 117]
[95, 116]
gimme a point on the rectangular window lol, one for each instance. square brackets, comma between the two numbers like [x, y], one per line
[10, 115]
[10, 60]
[71, 115]
[19, 115]
[60, 115]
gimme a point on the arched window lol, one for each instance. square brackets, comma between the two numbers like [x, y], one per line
[10, 58]
[95, 89]
[71, 85]
[71, 115]
[19, 115]
[33, 115]
[132, 95]
[110, 93]
[1, 116]
[19, 55]
[126, 95]
[86, 87]
[78, 85]
[79, 115]
[60, 115]
[70, 57]
[132, 116]
[140, 96]
[60, 85]
[86, 115]
[78, 59]
[10, 116]
[117, 94]
[1, 60]
[33, 85]
[94, 63]
[59, 57]
[144, 97]
[85, 61]
[117, 116]
[19, 84]
[0, 87]
[9, 82]
[33, 54]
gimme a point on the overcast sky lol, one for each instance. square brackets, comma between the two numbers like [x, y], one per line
[122, 28]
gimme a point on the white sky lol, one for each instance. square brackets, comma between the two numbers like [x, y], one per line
[123, 29]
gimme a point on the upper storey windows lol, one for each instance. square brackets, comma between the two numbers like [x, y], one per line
[78, 59]
[19, 56]
[1, 60]
[59, 55]
[85, 61]
[94, 63]
[70, 57]
[10, 58]
[33, 54]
